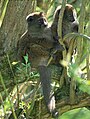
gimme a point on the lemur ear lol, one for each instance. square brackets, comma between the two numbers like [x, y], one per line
[42, 14]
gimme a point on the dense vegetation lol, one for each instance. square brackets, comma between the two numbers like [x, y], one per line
[20, 90]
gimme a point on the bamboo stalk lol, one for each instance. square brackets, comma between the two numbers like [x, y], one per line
[88, 45]
[81, 30]
[60, 26]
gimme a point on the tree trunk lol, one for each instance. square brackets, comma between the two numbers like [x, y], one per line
[13, 25]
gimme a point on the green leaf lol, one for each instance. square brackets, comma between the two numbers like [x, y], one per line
[26, 58]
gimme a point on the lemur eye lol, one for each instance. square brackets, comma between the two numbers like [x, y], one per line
[30, 19]
[41, 21]
[71, 18]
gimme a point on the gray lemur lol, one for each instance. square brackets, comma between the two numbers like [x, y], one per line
[38, 43]
[39, 40]
[69, 22]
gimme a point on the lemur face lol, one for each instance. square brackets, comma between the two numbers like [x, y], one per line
[70, 23]
[36, 20]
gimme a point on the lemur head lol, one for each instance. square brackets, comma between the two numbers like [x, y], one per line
[36, 21]
[69, 22]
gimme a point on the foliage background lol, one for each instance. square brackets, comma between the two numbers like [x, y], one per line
[19, 86]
